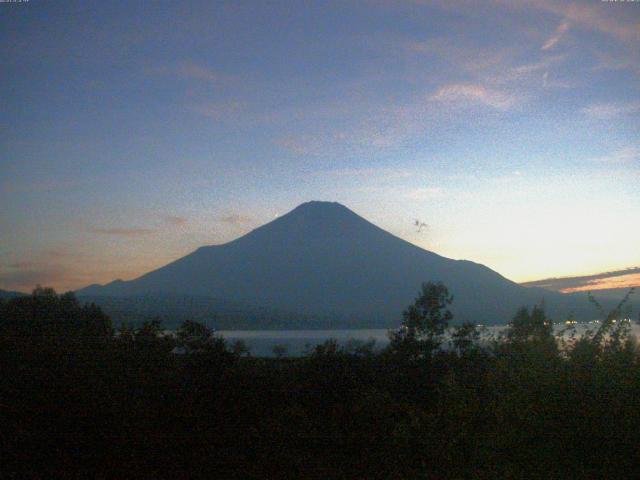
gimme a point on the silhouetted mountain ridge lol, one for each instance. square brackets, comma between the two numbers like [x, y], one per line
[10, 294]
[323, 259]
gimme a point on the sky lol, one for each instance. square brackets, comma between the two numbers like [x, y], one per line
[135, 132]
[621, 279]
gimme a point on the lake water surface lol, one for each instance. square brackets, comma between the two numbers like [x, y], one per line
[298, 342]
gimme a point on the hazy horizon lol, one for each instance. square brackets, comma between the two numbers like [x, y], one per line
[620, 279]
[136, 133]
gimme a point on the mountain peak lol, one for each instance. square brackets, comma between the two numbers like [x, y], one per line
[320, 203]
[320, 206]
[321, 258]
[318, 218]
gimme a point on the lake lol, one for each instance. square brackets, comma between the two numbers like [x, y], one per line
[298, 342]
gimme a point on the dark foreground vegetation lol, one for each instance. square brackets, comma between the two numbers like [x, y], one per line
[78, 401]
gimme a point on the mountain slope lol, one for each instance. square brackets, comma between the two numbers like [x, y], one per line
[10, 294]
[322, 258]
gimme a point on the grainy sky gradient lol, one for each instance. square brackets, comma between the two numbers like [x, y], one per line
[135, 132]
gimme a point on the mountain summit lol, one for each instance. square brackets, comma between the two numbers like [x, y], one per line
[323, 259]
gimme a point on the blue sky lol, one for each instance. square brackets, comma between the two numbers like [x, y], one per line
[135, 132]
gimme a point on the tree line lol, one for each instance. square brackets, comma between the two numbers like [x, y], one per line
[80, 399]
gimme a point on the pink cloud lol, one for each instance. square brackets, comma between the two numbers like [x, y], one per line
[197, 72]
[559, 33]
[593, 16]
[466, 94]
[178, 221]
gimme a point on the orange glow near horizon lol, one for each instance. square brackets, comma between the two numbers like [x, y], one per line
[622, 281]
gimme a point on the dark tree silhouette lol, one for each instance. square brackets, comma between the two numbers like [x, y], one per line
[45, 315]
[530, 326]
[425, 322]
[193, 335]
[132, 406]
[465, 337]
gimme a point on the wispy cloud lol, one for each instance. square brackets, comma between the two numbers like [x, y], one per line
[508, 178]
[188, 71]
[548, 82]
[499, 78]
[371, 172]
[23, 277]
[173, 220]
[523, 71]
[498, 73]
[303, 144]
[473, 94]
[22, 265]
[125, 232]
[424, 193]
[607, 111]
[622, 155]
[555, 38]
[596, 16]
[599, 281]
[219, 111]
[388, 124]
[592, 16]
[467, 57]
[197, 72]
[383, 129]
[236, 219]
[162, 223]
[525, 78]
[31, 186]
[614, 60]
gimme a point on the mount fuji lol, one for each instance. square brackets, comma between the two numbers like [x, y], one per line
[323, 259]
